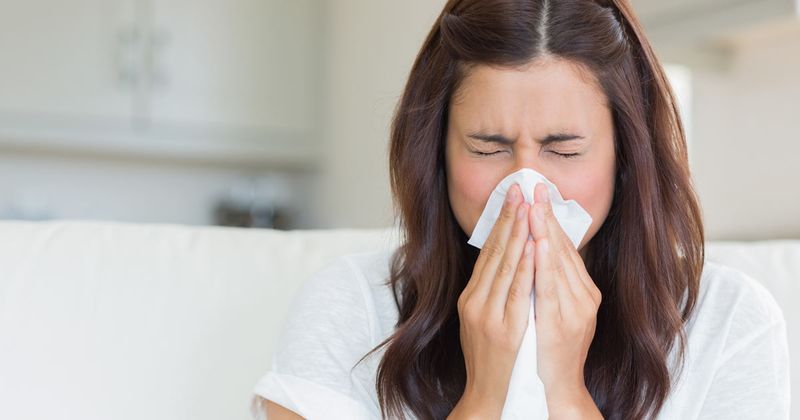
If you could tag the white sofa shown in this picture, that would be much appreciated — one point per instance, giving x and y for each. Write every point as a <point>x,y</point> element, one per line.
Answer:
<point>124,321</point>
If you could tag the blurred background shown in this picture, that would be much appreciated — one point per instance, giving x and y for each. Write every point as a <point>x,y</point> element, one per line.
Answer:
<point>275,113</point>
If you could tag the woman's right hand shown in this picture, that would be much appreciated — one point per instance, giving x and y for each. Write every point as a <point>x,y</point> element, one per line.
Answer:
<point>493,310</point>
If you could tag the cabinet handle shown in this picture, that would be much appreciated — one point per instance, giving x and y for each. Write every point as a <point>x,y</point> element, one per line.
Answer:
<point>128,57</point>
<point>158,41</point>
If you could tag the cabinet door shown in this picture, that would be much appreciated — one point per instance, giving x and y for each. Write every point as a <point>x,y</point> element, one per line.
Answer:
<point>60,61</point>
<point>235,66</point>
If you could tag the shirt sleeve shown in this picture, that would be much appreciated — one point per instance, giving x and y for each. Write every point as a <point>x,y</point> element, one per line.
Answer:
<point>752,377</point>
<point>326,332</point>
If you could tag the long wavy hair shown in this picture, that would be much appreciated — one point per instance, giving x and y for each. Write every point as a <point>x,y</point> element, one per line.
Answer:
<point>646,258</point>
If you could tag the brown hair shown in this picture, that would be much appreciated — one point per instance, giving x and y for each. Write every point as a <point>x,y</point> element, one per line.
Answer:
<point>646,258</point>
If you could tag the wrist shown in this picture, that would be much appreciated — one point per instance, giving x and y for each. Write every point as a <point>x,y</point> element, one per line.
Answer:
<point>571,402</point>
<point>477,405</point>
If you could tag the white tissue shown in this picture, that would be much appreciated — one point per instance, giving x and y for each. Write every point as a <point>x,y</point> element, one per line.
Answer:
<point>570,215</point>
<point>526,397</point>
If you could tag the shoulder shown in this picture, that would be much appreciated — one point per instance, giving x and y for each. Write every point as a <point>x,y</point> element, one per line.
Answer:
<point>347,290</point>
<point>735,320</point>
<point>342,311</point>
<point>737,351</point>
<point>727,293</point>
<point>331,325</point>
<point>355,269</point>
<point>373,270</point>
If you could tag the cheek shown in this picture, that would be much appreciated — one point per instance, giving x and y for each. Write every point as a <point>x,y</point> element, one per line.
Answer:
<point>593,189</point>
<point>469,187</point>
<point>595,197</point>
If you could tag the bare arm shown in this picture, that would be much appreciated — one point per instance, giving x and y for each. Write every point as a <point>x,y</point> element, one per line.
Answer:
<point>278,412</point>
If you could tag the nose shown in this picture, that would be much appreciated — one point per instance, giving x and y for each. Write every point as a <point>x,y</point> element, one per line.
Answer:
<point>528,157</point>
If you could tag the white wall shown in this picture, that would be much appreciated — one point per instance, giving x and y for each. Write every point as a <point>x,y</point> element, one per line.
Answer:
<point>746,141</point>
<point>369,49</point>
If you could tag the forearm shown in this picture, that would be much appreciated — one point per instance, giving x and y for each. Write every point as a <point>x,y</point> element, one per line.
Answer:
<point>477,406</point>
<point>572,404</point>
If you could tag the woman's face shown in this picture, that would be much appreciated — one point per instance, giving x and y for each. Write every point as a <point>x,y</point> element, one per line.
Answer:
<point>529,118</point>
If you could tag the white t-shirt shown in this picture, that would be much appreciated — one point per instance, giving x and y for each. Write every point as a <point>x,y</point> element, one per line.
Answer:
<point>737,360</point>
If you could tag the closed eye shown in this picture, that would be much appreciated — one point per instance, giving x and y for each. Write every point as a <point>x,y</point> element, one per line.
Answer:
<point>561,155</point>
<point>566,155</point>
<point>486,154</point>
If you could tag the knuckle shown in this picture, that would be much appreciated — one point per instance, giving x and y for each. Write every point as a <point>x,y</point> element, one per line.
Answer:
<point>469,314</point>
<point>460,302</point>
<point>494,249</point>
<point>518,233</point>
<point>504,269</point>
<point>562,253</point>
<point>507,213</point>
<point>559,270</point>
<point>515,293</point>
<point>548,210</point>
<point>464,302</point>
<point>598,295</point>
<point>549,291</point>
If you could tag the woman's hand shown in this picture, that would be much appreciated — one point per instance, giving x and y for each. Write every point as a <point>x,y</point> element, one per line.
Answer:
<point>566,307</point>
<point>493,310</point>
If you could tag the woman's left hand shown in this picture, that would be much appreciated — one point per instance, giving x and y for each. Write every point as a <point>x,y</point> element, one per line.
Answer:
<point>566,307</point>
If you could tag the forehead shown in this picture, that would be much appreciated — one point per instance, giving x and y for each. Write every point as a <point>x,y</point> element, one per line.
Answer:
<point>543,93</point>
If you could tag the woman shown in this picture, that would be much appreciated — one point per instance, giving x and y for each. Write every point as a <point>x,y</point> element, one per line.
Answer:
<point>631,324</point>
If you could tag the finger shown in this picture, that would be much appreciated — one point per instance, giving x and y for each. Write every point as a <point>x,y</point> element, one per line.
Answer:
<point>542,200</point>
<point>572,276</point>
<point>495,245</point>
<point>586,279</point>
<point>548,286</point>
<point>518,302</point>
<point>498,295</point>
<point>563,276</point>
<point>580,282</point>
<point>561,247</point>
<point>483,256</point>
<point>537,229</point>
<point>545,289</point>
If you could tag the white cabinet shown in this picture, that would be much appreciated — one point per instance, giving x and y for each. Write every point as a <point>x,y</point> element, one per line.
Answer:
<point>246,63</point>
<point>56,59</point>
<point>216,80</point>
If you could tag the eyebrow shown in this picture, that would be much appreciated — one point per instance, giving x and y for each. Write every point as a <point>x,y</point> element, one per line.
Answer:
<point>501,139</point>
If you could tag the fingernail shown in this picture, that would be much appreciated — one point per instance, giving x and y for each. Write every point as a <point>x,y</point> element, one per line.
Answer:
<point>521,212</point>
<point>539,212</point>
<point>545,245</point>
<point>546,195</point>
